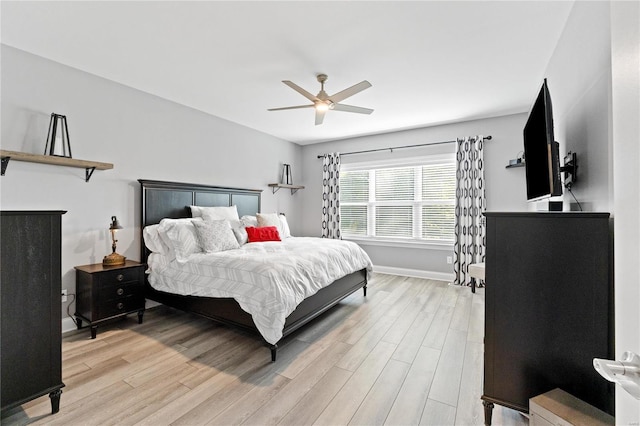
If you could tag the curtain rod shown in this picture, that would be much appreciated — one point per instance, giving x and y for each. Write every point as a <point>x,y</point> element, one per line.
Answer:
<point>488,138</point>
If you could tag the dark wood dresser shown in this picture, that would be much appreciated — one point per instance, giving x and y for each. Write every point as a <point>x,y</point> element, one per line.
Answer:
<point>548,307</point>
<point>107,292</point>
<point>31,323</point>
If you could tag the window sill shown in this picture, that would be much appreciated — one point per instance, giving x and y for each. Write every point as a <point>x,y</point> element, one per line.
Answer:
<point>447,246</point>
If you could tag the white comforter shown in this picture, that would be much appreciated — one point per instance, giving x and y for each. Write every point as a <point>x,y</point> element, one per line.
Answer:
<point>267,279</point>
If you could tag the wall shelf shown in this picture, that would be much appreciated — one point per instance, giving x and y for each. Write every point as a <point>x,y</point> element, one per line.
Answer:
<point>88,166</point>
<point>275,187</point>
<point>511,166</point>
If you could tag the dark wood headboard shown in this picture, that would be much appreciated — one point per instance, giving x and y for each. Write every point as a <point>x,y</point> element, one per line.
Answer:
<point>162,199</point>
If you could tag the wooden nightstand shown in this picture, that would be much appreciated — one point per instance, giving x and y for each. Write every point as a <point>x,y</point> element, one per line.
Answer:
<point>107,292</point>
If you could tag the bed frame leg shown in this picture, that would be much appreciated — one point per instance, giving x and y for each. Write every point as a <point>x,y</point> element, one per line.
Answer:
<point>365,290</point>
<point>274,349</point>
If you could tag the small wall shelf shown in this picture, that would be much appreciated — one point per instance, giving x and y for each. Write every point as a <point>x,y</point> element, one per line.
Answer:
<point>88,166</point>
<point>275,187</point>
<point>511,166</point>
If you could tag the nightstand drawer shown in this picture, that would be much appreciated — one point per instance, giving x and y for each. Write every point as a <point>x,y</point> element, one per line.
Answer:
<point>119,276</point>
<point>112,291</point>
<point>120,306</point>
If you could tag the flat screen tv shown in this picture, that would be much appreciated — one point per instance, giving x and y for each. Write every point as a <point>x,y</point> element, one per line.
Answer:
<point>541,151</point>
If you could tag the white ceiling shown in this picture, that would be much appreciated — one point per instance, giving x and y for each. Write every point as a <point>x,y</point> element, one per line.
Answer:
<point>430,62</point>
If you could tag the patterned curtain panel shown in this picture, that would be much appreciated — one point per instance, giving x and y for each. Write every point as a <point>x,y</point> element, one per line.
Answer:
<point>469,246</point>
<point>331,196</point>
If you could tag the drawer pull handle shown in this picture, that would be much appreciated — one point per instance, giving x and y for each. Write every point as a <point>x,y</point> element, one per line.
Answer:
<point>120,291</point>
<point>120,305</point>
<point>120,277</point>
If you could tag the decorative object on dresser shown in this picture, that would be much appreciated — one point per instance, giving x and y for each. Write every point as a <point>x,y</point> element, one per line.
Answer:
<point>30,328</point>
<point>58,137</point>
<point>114,259</point>
<point>107,292</point>
<point>548,308</point>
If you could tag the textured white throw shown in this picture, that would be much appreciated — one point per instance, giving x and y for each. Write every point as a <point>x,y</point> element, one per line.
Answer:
<point>267,279</point>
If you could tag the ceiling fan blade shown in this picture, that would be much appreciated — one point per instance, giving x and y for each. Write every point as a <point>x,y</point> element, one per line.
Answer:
<point>320,116</point>
<point>356,88</point>
<point>301,90</point>
<point>291,107</point>
<point>350,108</point>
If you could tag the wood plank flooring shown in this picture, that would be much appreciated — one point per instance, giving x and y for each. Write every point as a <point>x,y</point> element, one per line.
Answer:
<point>409,353</point>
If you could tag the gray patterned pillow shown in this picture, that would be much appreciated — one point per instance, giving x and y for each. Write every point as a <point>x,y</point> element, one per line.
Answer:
<point>180,236</point>
<point>215,236</point>
<point>241,235</point>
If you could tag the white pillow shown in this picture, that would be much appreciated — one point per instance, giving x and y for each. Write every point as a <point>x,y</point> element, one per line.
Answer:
<point>215,213</point>
<point>215,236</point>
<point>286,232</point>
<point>180,235</point>
<point>249,221</point>
<point>270,219</point>
<point>153,241</point>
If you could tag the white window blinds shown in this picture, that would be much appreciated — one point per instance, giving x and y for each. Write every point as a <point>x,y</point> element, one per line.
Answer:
<point>413,202</point>
<point>354,196</point>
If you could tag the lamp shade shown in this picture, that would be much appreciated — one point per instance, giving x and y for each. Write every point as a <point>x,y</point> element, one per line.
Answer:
<point>115,224</point>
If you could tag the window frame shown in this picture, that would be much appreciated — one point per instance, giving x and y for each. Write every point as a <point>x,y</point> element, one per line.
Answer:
<point>415,241</point>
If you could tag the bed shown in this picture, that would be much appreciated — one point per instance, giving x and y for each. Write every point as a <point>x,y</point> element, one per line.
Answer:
<point>162,199</point>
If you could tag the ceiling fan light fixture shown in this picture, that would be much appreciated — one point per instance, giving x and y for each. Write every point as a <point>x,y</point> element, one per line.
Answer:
<point>323,106</point>
<point>323,102</point>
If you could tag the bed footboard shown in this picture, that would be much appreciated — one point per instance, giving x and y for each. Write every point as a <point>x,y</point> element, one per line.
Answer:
<point>228,311</point>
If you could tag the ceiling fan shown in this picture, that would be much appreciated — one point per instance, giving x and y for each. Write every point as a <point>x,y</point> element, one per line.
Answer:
<point>323,102</point>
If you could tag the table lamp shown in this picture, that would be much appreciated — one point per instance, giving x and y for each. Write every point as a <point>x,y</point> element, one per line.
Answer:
<point>114,259</point>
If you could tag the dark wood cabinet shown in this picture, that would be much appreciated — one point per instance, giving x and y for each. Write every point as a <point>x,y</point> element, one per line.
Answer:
<point>31,316</point>
<point>548,307</point>
<point>106,292</point>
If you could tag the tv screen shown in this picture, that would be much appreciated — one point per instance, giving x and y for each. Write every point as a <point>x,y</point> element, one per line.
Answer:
<point>541,151</point>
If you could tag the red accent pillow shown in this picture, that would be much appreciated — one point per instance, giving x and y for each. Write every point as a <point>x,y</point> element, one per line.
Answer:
<point>266,233</point>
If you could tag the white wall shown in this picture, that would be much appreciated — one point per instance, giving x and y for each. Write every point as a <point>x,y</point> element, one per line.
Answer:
<point>625,59</point>
<point>506,190</point>
<point>594,79</point>
<point>579,78</point>
<point>145,137</point>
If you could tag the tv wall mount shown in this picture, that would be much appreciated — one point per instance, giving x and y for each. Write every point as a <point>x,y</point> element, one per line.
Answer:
<point>570,169</point>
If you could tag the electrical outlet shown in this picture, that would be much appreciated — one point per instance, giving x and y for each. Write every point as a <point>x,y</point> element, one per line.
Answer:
<point>64,295</point>
<point>449,260</point>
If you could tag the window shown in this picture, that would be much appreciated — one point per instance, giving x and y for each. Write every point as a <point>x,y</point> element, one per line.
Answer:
<point>401,202</point>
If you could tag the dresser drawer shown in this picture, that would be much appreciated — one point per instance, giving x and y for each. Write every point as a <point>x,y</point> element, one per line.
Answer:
<point>116,290</point>
<point>115,307</point>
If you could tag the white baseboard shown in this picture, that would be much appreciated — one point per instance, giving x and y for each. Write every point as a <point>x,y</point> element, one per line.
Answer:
<point>416,273</point>
<point>68,325</point>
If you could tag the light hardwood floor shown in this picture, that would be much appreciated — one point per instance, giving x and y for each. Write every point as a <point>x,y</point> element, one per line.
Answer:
<point>409,353</point>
